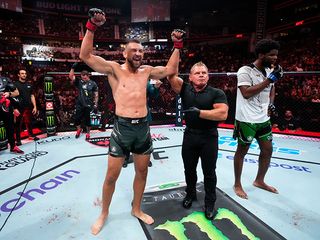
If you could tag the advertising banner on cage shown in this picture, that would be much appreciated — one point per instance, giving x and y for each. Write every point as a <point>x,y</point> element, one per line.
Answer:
<point>50,115</point>
<point>51,123</point>
<point>48,89</point>
<point>3,136</point>
<point>179,111</point>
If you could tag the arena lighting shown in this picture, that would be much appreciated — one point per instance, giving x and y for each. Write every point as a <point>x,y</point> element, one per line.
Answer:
<point>152,40</point>
<point>299,23</point>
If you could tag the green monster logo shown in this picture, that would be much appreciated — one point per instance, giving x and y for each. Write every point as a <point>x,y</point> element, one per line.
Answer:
<point>48,87</point>
<point>168,185</point>
<point>177,229</point>
<point>50,121</point>
<point>3,133</point>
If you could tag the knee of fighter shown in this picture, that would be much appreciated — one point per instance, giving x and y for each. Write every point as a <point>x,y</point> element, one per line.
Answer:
<point>143,173</point>
<point>266,152</point>
<point>110,180</point>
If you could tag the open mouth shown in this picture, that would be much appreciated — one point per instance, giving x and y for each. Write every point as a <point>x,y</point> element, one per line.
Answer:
<point>136,58</point>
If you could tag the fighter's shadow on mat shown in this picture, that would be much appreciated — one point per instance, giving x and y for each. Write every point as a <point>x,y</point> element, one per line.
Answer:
<point>173,222</point>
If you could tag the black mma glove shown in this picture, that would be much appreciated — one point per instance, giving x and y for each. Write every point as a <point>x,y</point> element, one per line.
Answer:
<point>192,111</point>
<point>276,74</point>
<point>272,110</point>
<point>177,36</point>
<point>96,19</point>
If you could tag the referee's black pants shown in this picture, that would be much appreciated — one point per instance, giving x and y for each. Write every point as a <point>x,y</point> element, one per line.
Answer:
<point>203,144</point>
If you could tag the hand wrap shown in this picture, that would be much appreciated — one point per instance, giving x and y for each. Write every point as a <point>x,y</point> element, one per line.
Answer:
<point>95,20</point>
<point>177,36</point>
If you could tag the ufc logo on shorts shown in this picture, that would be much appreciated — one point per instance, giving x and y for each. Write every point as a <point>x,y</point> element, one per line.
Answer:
<point>135,121</point>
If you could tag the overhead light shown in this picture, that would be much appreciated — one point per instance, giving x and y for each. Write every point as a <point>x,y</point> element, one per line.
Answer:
<point>299,23</point>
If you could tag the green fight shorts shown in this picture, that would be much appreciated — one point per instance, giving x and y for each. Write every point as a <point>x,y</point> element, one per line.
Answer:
<point>130,135</point>
<point>246,132</point>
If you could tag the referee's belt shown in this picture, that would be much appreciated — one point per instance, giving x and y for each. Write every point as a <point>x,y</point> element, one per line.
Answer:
<point>201,131</point>
<point>132,120</point>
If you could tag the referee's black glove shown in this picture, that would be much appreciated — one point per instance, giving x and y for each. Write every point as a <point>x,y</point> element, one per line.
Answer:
<point>192,111</point>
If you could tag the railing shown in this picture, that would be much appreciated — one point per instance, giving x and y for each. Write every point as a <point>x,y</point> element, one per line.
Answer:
<point>165,111</point>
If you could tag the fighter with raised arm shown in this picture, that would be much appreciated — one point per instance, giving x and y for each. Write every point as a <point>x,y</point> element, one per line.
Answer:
<point>131,131</point>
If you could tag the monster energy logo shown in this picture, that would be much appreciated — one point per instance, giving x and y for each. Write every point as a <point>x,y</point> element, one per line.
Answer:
<point>3,133</point>
<point>168,185</point>
<point>177,229</point>
<point>48,87</point>
<point>50,121</point>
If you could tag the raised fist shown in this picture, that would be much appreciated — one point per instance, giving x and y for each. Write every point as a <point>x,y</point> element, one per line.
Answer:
<point>177,36</point>
<point>96,19</point>
<point>276,74</point>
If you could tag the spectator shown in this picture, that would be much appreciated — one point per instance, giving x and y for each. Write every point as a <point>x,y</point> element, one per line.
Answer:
<point>7,91</point>
<point>287,122</point>
<point>87,100</point>
<point>27,105</point>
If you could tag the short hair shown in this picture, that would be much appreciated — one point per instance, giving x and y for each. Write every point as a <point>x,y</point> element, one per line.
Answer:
<point>132,41</point>
<point>266,45</point>
<point>198,64</point>
<point>85,72</point>
<point>22,69</point>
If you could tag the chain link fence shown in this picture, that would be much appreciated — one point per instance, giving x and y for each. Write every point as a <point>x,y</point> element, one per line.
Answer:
<point>297,91</point>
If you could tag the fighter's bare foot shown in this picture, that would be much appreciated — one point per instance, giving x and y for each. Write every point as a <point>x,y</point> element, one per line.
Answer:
<point>264,186</point>
<point>240,192</point>
<point>98,225</point>
<point>143,217</point>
